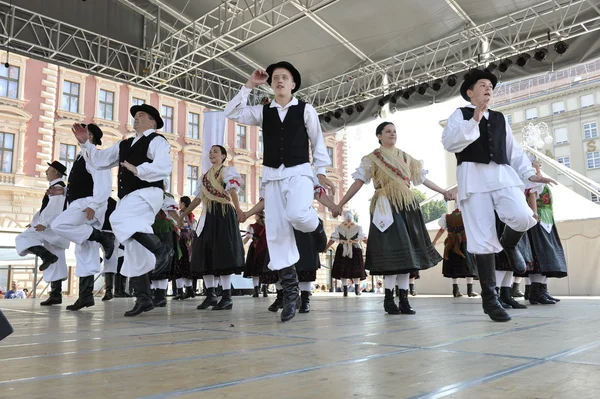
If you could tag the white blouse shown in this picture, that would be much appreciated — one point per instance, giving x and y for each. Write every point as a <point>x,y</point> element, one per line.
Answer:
<point>364,172</point>
<point>230,176</point>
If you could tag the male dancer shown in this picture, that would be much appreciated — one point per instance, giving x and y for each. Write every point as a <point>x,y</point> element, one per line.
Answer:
<point>289,125</point>
<point>39,239</point>
<point>144,162</point>
<point>87,196</point>
<point>490,174</point>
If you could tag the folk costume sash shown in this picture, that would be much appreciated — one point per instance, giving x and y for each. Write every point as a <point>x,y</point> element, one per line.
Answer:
<point>456,234</point>
<point>392,171</point>
<point>213,190</point>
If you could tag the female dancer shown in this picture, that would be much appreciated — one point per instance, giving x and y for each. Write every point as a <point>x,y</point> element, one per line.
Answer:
<point>255,259</point>
<point>182,271</point>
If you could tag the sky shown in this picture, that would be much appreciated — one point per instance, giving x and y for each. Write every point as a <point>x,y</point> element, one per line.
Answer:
<point>419,134</point>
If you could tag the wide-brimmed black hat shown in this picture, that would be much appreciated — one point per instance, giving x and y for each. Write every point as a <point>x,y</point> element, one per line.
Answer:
<point>95,131</point>
<point>62,169</point>
<point>473,77</point>
<point>289,67</point>
<point>150,110</point>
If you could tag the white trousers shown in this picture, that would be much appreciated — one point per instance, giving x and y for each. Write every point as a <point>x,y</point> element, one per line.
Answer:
<point>288,206</point>
<point>30,238</point>
<point>480,222</point>
<point>110,264</point>
<point>73,223</point>
<point>135,213</point>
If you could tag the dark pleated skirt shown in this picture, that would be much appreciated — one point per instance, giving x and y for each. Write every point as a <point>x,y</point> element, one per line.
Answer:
<point>307,265</point>
<point>548,254</point>
<point>344,267</point>
<point>182,266</point>
<point>458,267</point>
<point>404,247</point>
<point>254,263</point>
<point>170,240</point>
<point>523,246</point>
<point>219,249</point>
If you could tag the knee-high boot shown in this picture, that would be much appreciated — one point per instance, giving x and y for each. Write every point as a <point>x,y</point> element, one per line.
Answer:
<point>509,240</point>
<point>289,284</point>
<point>487,278</point>
<point>55,297</point>
<point>109,279</point>
<point>143,301</point>
<point>86,294</point>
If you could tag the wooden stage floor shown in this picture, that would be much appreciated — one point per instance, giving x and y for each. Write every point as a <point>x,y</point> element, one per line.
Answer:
<point>344,348</point>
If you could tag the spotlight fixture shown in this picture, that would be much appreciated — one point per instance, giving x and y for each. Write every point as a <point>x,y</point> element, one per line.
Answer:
<point>561,47</point>
<point>491,67</point>
<point>6,65</point>
<point>406,94</point>
<point>523,60</point>
<point>504,65</point>
<point>350,110</point>
<point>327,117</point>
<point>381,102</point>
<point>395,97</point>
<point>337,113</point>
<point>451,80</point>
<point>540,54</point>
<point>437,84</point>
<point>423,88</point>
<point>359,108</point>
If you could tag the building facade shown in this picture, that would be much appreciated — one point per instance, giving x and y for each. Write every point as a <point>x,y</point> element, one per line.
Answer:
<point>39,102</point>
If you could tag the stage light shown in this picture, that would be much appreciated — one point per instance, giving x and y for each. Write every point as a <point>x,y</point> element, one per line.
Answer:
<point>337,113</point>
<point>406,94</point>
<point>504,65</point>
<point>327,117</point>
<point>437,84</point>
<point>491,67</point>
<point>561,47</point>
<point>451,80</point>
<point>540,54</point>
<point>423,88</point>
<point>359,108</point>
<point>523,60</point>
<point>350,110</point>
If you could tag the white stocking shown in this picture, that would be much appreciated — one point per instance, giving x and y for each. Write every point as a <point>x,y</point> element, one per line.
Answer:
<point>256,281</point>
<point>390,281</point>
<point>469,280</point>
<point>402,281</point>
<point>226,282</point>
<point>305,286</point>
<point>508,279</point>
<point>209,281</point>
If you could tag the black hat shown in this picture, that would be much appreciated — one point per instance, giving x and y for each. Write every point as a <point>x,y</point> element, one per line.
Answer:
<point>473,77</point>
<point>150,110</point>
<point>95,131</point>
<point>289,67</point>
<point>62,169</point>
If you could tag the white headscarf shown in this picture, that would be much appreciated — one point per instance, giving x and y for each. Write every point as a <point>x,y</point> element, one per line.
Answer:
<point>348,216</point>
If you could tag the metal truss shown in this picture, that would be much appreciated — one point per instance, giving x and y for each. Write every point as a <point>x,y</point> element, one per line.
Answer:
<point>522,31</point>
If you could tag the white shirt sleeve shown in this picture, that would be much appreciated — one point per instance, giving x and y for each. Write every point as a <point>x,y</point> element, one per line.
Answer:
<point>364,171</point>
<point>169,204</point>
<point>50,212</point>
<point>161,166</point>
<point>418,180</point>
<point>361,234</point>
<point>459,133</point>
<point>319,152</point>
<point>250,232</point>
<point>232,179</point>
<point>442,222</point>
<point>239,111</point>
<point>335,236</point>
<point>101,159</point>
<point>517,158</point>
<point>102,186</point>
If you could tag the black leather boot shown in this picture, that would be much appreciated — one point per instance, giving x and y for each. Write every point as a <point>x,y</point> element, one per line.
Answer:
<point>357,289</point>
<point>225,303</point>
<point>120,280</point>
<point>536,295</point>
<point>153,244</point>
<point>456,291</point>
<point>345,290</point>
<point>470,291</point>
<point>487,279</point>
<point>210,300</point>
<point>278,303</point>
<point>320,237</point>
<point>106,239</point>
<point>397,292</point>
<point>86,294</point>
<point>256,292</point>
<point>509,240</point>
<point>47,257</point>
<point>527,291</point>
<point>109,280</point>
<point>500,301</point>
<point>289,283</point>
<point>411,288</point>
<point>55,297</point>
<point>404,305</point>
<point>189,293</point>
<point>160,298</point>
<point>265,291</point>
<point>547,295</point>
<point>388,303</point>
<point>305,306</point>
<point>505,294</point>
<point>179,296</point>
<point>143,301</point>
<point>516,292</point>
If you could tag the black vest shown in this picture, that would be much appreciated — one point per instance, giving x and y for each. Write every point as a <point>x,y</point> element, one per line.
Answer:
<point>491,144</point>
<point>80,184</point>
<point>284,142</point>
<point>46,199</point>
<point>135,155</point>
<point>110,208</point>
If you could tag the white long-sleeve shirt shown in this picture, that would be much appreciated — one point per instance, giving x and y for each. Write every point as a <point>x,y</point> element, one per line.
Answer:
<point>475,177</point>
<point>54,208</point>
<point>159,151</point>
<point>239,111</point>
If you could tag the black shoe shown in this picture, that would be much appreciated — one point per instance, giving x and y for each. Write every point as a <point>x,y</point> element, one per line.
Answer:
<point>470,291</point>
<point>404,305</point>
<point>289,283</point>
<point>143,301</point>
<point>508,299</point>
<point>109,279</point>
<point>256,292</point>
<point>86,294</point>
<point>189,293</point>
<point>163,253</point>
<point>487,279</point>
<point>536,295</point>
<point>547,295</point>
<point>305,306</point>
<point>456,291</point>
<point>527,292</point>
<point>48,258</point>
<point>179,296</point>
<point>320,237</point>
<point>278,303</point>
<point>357,289</point>
<point>515,292</point>
<point>209,300</point>
<point>265,291</point>
<point>226,303</point>
<point>160,298</point>
<point>55,297</point>
<point>345,290</point>
<point>500,301</point>
<point>412,290</point>
<point>389,305</point>
<point>107,240</point>
<point>509,240</point>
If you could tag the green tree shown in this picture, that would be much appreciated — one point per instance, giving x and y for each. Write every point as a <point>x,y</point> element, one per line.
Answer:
<point>433,210</point>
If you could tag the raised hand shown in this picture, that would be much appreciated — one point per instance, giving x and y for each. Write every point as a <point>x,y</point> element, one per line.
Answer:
<point>542,179</point>
<point>257,78</point>
<point>80,133</point>
<point>89,213</point>
<point>480,109</point>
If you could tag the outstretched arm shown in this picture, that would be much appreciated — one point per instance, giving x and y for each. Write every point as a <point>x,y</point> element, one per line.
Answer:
<point>260,206</point>
<point>438,235</point>
<point>354,188</point>
<point>448,196</point>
